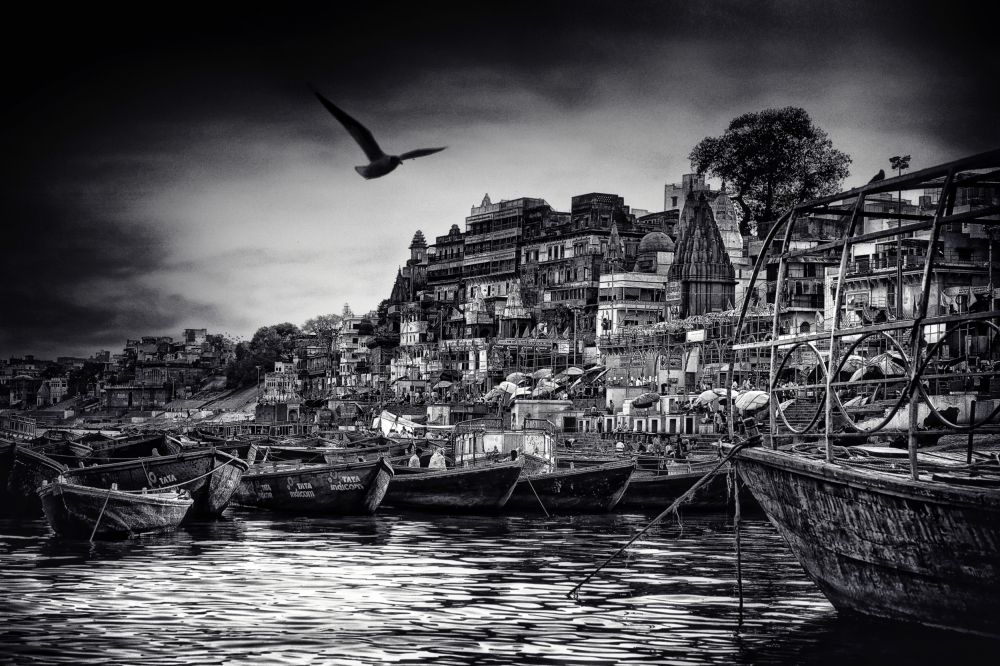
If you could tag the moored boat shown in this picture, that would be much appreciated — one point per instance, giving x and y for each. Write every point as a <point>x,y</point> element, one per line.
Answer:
<point>80,511</point>
<point>29,469</point>
<point>883,544</point>
<point>210,475</point>
<point>658,490</point>
<point>131,448</point>
<point>594,489</point>
<point>350,489</point>
<point>480,488</point>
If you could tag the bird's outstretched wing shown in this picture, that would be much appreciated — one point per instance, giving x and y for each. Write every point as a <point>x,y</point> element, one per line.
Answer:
<point>360,133</point>
<point>413,154</point>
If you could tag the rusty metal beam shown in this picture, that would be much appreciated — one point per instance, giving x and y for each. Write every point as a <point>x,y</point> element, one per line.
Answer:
<point>888,233</point>
<point>915,180</point>
<point>889,326</point>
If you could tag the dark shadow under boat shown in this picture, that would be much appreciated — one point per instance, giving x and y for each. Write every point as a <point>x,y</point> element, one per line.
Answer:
<point>882,544</point>
<point>594,489</point>
<point>75,511</point>
<point>351,489</point>
<point>468,489</point>
<point>210,475</point>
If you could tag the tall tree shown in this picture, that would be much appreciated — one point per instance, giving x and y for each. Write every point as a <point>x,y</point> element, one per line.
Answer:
<point>322,326</point>
<point>771,160</point>
<point>269,344</point>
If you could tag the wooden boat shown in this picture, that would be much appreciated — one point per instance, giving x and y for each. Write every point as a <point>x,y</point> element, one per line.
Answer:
<point>883,544</point>
<point>480,488</point>
<point>588,490</point>
<point>210,475</point>
<point>66,451</point>
<point>29,469</point>
<point>74,511</point>
<point>657,490</point>
<point>7,449</point>
<point>351,489</point>
<point>132,448</point>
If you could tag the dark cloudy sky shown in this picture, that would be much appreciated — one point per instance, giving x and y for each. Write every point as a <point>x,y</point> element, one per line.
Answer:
<point>169,169</point>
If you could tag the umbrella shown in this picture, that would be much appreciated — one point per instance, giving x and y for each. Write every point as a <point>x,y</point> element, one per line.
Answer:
<point>645,400</point>
<point>542,374</point>
<point>707,397</point>
<point>516,377</point>
<point>442,384</point>
<point>574,371</point>
<point>507,387</point>
<point>545,387</point>
<point>858,400</point>
<point>524,390</point>
<point>724,393</point>
<point>494,394</point>
<point>785,403</point>
<point>751,401</point>
<point>888,363</point>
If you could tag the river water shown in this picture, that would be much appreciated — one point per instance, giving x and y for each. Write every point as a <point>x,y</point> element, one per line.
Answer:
<point>411,588</point>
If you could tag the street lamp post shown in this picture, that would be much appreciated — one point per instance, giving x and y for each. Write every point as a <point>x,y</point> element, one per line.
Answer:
<point>258,382</point>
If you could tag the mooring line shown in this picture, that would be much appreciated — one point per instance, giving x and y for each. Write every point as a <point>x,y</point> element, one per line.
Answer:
<point>672,508</point>
<point>528,478</point>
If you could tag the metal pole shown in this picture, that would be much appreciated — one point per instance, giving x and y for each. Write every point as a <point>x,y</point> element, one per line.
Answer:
<point>972,419</point>
<point>945,207</point>
<point>859,207</point>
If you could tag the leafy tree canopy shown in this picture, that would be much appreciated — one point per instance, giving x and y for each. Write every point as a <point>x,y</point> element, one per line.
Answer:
<point>269,344</point>
<point>323,325</point>
<point>770,160</point>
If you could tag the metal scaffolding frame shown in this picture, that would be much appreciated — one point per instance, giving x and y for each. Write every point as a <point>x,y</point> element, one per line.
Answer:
<point>905,338</point>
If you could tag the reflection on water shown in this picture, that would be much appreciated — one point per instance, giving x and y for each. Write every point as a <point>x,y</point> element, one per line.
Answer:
<point>410,588</point>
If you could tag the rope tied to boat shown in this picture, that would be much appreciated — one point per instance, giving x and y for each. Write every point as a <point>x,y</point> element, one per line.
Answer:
<point>574,593</point>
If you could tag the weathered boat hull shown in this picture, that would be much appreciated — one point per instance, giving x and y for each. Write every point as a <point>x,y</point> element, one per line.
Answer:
<point>651,491</point>
<point>884,545</point>
<point>7,450</point>
<point>134,448</point>
<point>352,489</point>
<point>589,490</point>
<point>483,488</point>
<point>73,511</point>
<point>29,469</point>
<point>191,471</point>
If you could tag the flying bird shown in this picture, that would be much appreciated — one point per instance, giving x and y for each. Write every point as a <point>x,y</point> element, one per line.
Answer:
<point>380,163</point>
<point>879,176</point>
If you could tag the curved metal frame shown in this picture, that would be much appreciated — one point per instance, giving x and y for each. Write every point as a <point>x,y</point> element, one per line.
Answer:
<point>821,406</point>
<point>926,398</point>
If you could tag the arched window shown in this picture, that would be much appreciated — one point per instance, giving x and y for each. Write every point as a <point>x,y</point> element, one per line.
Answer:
<point>804,327</point>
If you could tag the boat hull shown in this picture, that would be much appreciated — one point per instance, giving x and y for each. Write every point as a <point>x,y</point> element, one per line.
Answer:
<point>191,471</point>
<point>883,545</point>
<point>353,489</point>
<point>73,511</point>
<point>29,470</point>
<point>457,489</point>
<point>651,491</point>
<point>588,490</point>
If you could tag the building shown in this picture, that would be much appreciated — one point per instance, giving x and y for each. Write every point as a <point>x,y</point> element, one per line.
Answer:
<point>702,277</point>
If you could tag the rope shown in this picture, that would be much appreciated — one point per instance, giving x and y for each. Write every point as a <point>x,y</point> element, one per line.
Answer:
<point>182,483</point>
<point>670,509</point>
<point>101,515</point>
<point>537,497</point>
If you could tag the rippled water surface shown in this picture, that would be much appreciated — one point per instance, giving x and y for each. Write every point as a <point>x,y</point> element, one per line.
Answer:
<point>412,588</point>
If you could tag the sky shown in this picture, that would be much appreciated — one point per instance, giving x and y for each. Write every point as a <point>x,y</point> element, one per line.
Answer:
<point>170,169</point>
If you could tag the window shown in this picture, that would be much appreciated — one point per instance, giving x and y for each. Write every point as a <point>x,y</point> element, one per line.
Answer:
<point>673,202</point>
<point>804,327</point>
